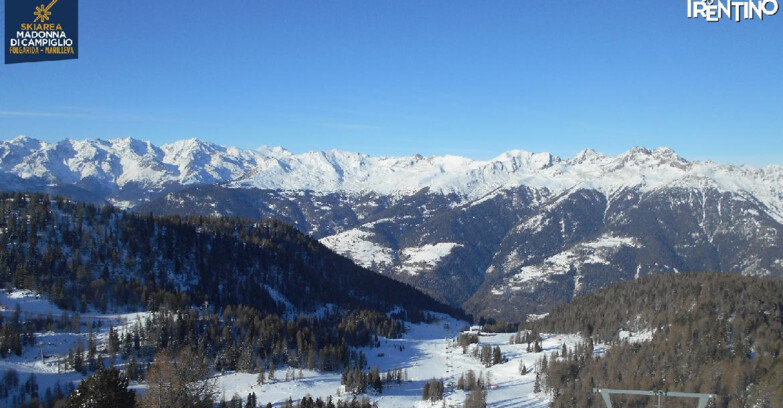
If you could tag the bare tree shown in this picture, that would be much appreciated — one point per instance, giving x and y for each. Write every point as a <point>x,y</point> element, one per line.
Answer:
<point>178,380</point>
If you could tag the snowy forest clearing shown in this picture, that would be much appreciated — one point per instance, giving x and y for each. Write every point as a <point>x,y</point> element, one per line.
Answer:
<point>45,359</point>
<point>425,352</point>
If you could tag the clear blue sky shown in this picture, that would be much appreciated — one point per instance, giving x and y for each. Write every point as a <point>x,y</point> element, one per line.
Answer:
<point>393,77</point>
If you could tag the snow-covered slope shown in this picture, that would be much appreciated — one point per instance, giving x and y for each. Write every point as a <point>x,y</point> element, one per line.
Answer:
<point>504,237</point>
<point>116,163</point>
<point>427,350</point>
<point>472,179</point>
<point>119,163</point>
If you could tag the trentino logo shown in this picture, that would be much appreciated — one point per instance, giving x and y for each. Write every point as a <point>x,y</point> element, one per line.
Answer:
<point>715,10</point>
<point>41,32</point>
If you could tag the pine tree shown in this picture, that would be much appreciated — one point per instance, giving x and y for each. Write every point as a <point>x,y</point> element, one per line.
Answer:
<point>537,384</point>
<point>107,388</point>
<point>78,357</point>
<point>477,398</point>
<point>497,356</point>
<point>92,351</point>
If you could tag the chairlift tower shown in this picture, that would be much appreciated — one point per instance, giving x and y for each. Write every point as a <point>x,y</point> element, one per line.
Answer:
<point>606,392</point>
<point>449,366</point>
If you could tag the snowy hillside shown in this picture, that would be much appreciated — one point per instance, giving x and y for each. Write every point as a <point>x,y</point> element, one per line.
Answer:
<point>44,363</point>
<point>116,163</point>
<point>504,237</point>
<point>119,163</point>
<point>352,172</point>
<point>426,351</point>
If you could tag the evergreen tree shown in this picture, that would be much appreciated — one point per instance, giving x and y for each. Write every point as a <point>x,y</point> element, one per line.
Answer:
<point>537,384</point>
<point>497,357</point>
<point>107,388</point>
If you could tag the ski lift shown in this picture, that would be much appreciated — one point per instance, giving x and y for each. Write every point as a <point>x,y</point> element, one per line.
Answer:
<point>606,392</point>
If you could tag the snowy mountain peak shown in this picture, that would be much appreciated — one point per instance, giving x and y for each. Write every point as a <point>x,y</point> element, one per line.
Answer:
<point>522,159</point>
<point>23,140</point>
<point>643,158</point>
<point>588,155</point>
<point>118,163</point>
<point>273,151</point>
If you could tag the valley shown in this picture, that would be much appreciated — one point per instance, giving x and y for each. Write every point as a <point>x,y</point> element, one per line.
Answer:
<point>500,238</point>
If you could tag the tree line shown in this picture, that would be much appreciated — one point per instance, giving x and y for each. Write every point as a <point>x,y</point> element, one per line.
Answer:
<point>240,295</point>
<point>711,333</point>
<point>81,255</point>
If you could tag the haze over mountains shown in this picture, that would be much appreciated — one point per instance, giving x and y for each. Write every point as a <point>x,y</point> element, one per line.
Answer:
<point>502,238</point>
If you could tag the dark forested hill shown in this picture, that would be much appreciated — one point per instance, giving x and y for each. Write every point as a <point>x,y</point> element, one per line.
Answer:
<point>82,254</point>
<point>226,294</point>
<point>712,333</point>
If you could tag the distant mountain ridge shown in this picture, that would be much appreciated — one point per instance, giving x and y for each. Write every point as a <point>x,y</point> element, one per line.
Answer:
<point>120,163</point>
<point>503,237</point>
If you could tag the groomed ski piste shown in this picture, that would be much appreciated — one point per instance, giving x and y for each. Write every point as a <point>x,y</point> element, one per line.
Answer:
<point>426,351</point>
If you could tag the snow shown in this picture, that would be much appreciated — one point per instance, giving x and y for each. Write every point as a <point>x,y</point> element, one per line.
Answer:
<point>279,297</point>
<point>636,337</point>
<point>426,257</point>
<point>356,244</point>
<point>489,196</point>
<point>596,252</point>
<point>119,162</point>
<point>534,224</point>
<point>533,317</point>
<point>55,345</point>
<point>28,301</point>
<point>608,241</point>
<point>426,351</point>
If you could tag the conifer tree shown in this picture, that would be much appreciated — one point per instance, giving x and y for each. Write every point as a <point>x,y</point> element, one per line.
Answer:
<point>107,388</point>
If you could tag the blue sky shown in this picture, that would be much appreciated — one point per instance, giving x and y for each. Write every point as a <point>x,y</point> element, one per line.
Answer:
<point>472,78</point>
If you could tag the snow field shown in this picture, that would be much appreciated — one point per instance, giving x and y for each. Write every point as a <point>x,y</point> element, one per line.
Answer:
<point>54,346</point>
<point>426,351</point>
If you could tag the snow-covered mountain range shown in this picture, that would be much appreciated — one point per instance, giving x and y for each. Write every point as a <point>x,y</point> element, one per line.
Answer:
<point>116,164</point>
<point>502,237</point>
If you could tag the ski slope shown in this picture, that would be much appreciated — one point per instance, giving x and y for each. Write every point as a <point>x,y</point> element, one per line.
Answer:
<point>426,351</point>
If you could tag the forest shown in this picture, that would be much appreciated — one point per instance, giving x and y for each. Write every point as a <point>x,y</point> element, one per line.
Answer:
<point>711,333</point>
<point>82,255</point>
<point>241,295</point>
